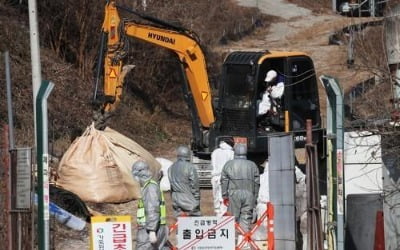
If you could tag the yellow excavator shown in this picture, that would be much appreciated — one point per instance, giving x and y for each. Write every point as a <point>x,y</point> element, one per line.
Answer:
<point>233,112</point>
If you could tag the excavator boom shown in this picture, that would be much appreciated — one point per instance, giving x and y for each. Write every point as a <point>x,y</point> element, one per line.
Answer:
<point>183,44</point>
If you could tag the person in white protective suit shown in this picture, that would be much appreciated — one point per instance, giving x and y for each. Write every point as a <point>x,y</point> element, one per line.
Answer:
<point>273,92</point>
<point>301,207</point>
<point>240,183</point>
<point>219,157</point>
<point>185,191</point>
<point>152,232</point>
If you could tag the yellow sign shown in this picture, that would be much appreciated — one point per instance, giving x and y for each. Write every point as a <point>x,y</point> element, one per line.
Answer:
<point>113,74</point>
<point>204,95</point>
<point>111,232</point>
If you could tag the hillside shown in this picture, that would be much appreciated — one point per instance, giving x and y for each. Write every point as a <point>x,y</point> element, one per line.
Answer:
<point>153,111</point>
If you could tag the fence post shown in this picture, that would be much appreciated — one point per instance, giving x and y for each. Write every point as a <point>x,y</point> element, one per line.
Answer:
<point>42,165</point>
<point>270,226</point>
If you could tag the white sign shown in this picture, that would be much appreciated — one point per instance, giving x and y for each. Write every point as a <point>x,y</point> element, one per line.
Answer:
<point>111,233</point>
<point>340,184</point>
<point>363,166</point>
<point>206,232</point>
<point>46,188</point>
<point>24,177</point>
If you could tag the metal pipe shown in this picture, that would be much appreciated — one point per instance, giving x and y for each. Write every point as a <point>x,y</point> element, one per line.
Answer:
<point>310,226</point>
<point>9,102</point>
<point>42,163</point>
<point>286,121</point>
<point>32,212</point>
<point>9,144</point>
<point>336,130</point>
<point>11,137</point>
<point>19,222</point>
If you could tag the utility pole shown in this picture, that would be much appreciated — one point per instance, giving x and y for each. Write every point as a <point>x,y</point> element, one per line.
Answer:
<point>35,52</point>
<point>334,8</point>
<point>392,31</point>
<point>391,159</point>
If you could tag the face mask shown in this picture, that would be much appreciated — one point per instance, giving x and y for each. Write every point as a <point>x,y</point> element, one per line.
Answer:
<point>136,178</point>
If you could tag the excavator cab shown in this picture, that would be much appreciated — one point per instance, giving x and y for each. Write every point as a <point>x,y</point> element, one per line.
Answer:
<point>241,89</point>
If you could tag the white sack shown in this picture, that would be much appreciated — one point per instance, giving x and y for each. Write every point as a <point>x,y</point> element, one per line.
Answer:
<point>165,164</point>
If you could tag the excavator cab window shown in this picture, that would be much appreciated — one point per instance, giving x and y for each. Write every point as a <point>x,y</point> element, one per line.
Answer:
<point>303,93</point>
<point>277,64</point>
<point>242,86</point>
<point>239,92</point>
<point>237,96</point>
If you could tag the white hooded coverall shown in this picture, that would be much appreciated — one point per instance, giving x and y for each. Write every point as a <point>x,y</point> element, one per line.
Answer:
<point>274,92</point>
<point>219,157</point>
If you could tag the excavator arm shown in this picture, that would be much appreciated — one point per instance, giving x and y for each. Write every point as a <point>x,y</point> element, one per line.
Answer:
<point>180,41</point>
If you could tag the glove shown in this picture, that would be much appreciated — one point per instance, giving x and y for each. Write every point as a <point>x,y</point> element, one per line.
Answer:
<point>254,219</point>
<point>226,202</point>
<point>152,237</point>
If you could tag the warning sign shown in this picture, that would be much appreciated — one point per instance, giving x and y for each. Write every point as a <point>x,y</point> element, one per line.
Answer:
<point>111,232</point>
<point>206,232</point>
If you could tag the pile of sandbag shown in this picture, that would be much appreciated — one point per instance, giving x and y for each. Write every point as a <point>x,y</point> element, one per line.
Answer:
<point>97,166</point>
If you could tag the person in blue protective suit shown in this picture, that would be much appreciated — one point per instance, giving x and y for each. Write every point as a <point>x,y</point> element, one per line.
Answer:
<point>152,230</point>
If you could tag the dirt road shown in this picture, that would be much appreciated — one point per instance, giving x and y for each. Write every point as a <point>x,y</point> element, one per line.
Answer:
<point>279,8</point>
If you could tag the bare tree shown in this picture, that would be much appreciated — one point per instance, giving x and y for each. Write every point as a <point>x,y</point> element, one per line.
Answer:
<point>376,109</point>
